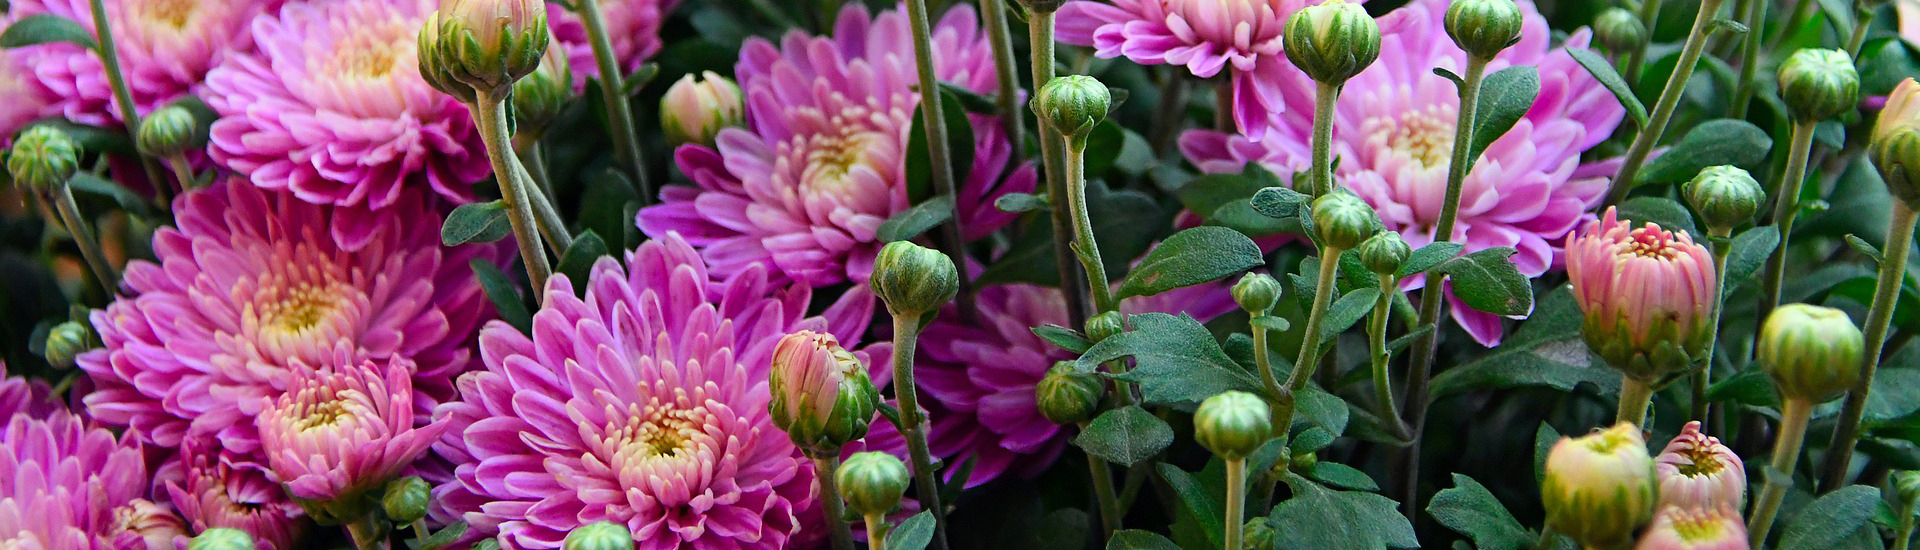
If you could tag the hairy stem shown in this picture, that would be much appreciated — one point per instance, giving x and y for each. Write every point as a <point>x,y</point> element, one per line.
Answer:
<point>1084,244</point>
<point>906,335</point>
<point>1669,99</point>
<point>1325,97</point>
<point>835,510</point>
<point>933,118</point>
<point>1052,158</point>
<point>1389,410</point>
<point>490,114</point>
<point>1111,512</point>
<point>366,533</point>
<point>1749,57</point>
<point>1893,271</point>
<point>993,15</point>
<point>613,87</point>
<point>1263,359</point>
<point>1635,398</point>
<point>552,228</point>
<point>1786,206</point>
<point>1786,454</point>
<point>1236,502</point>
<point>1862,18</point>
<point>1309,358</point>
<point>83,237</point>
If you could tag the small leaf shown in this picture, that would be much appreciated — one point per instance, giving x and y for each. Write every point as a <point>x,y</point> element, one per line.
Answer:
<point>503,293</point>
<point>912,534</point>
<point>639,78</point>
<point>1712,143</point>
<point>1176,360</point>
<point>1447,74</point>
<point>90,184</point>
<point>1310,440</point>
<point>1198,500</point>
<point>1319,408</point>
<point>1505,97</point>
<point>1544,438</point>
<point>1602,70</point>
<point>443,538</point>
<point>1823,524</point>
<point>1191,257</point>
<point>1280,202</point>
<point>1469,509</point>
<point>913,221</point>
<point>578,261</point>
<point>1750,251</point>
<point>1343,476</point>
<point>1125,436</point>
<point>477,222</point>
<point>1021,202</point>
<point>1488,281</point>
<point>1135,539</point>
<point>1319,518</point>
<point>1428,256</point>
<point>44,28</point>
<point>1865,248</point>
<point>1346,311</point>
<point>1068,339</point>
<point>1271,323</point>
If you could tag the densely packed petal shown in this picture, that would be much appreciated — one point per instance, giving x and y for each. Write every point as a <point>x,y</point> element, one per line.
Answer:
<point>633,30</point>
<point>1696,471</point>
<point>214,488</point>
<point>65,484</point>
<point>342,431</point>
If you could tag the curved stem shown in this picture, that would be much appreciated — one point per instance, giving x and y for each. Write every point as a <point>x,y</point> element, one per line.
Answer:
<point>1786,454</point>
<point>1903,535</point>
<point>1309,357</point>
<point>906,335</point>
<point>1236,502</point>
<point>1721,247</point>
<point>490,114</point>
<point>366,534</point>
<point>83,238</point>
<point>1749,57</point>
<point>1786,206</point>
<point>1893,273</point>
<point>182,172</point>
<point>1084,243</point>
<point>552,228</point>
<point>117,81</point>
<point>1264,361</point>
<point>1325,97</point>
<point>1669,99</point>
<point>613,91</point>
<point>1111,512</point>
<point>1649,18</point>
<point>1377,342</point>
<point>1040,33</point>
<point>835,510</point>
<point>1635,397</point>
<point>993,15</point>
<point>1862,18</point>
<point>876,532</point>
<point>934,119</point>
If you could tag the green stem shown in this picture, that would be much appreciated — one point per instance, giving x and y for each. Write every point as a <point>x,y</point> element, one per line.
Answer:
<point>1649,18</point>
<point>1084,244</point>
<point>526,146</point>
<point>1236,502</point>
<point>1263,359</point>
<point>552,228</point>
<point>993,15</point>
<point>1786,454</point>
<point>1325,97</point>
<point>490,114</point>
<point>1053,159</point>
<point>1111,513</point>
<point>1786,206</point>
<point>835,510</point>
<point>774,15</point>
<point>1463,137</point>
<point>1903,536</point>
<point>83,237</point>
<point>1309,357</point>
<point>182,172</point>
<point>1721,248</point>
<point>1635,397</point>
<point>365,533</point>
<point>613,92</point>
<point>876,532</point>
<point>1377,340</point>
<point>1669,99</point>
<point>420,531</point>
<point>117,80</point>
<point>1893,272</point>
<point>1862,18</point>
<point>906,335</point>
<point>1749,57</point>
<point>1547,539</point>
<point>934,119</point>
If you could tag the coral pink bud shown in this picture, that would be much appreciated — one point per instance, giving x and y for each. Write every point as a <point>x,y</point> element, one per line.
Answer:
<point>1677,528</point>
<point>1697,472</point>
<point>694,111</point>
<point>821,394</point>
<point>1648,295</point>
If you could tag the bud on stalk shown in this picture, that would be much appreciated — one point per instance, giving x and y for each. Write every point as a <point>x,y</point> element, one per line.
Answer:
<point>694,111</point>
<point>483,44</point>
<point>872,482</point>
<point>1343,220</point>
<point>167,131</point>
<point>540,97</point>
<point>222,538</point>
<point>914,280</point>
<point>822,396</point>
<point>1257,293</point>
<point>1620,31</point>
<point>1333,41</point>
<point>65,342</point>
<point>1484,27</point>
<point>1725,196</point>
<point>1232,424</point>
<point>1810,352</point>
<point>43,157</point>
<point>406,499</point>
<point>1073,105</point>
<point>599,535</point>
<point>1819,84</point>
<point>1894,146</point>
<point>1384,253</point>
<point>1599,488</point>
<point>1066,396</point>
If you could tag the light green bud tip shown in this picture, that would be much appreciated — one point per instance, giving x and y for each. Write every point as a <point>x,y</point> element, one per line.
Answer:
<point>1343,220</point>
<point>1819,84</point>
<point>406,499</point>
<point>1073,104</point>
<point>1598,489</point>
<point>1810,352</point>
<point>1257,293</point>
<point>168,131</point>
<point>1725,196</point>
<point>67,341</point>
<point>1332,41</point>
<point>914,280</point>
<point>872,482</point>
<point>43,157</point>
<point>604,535</point>
<point>1106,325</point>
<point>540,97</point>
<point>1232,424</point>
<point>1484,27</point>
<point>1619,30</point>
<point>483,44</point>
<point>1066,396</point>
<point>1384,252</point>
<point>1906,487</point>
<point>222,538</point>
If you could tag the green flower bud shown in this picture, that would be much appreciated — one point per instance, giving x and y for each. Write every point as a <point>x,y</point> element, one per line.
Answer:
<point>1258,535</point>
<point>1232,424</point>
<point>1906,487</point>
<point>483,44</point>
<point>694,111</point>
<point>543,93</point>
<point>1303,463</point>
<point>489,543</point>
<point>914,280</point>
<point>1619,30</point>
<point>872,482</point>
<point>1384,252</point>
<point>1819,84</point>
<point>822,397</point>
<point>222,538</point>
<point>601,535</point>
<point>67,341</point>
<point>167,131</point>
<point>43,157</point>
<point>406,499</point>
<point>1343,220</point>
<point>1810,352</point>
<point>1894,146</point>
<point>1599,488</point>
<point>1106,325</point>
<point>1332,41</point>
<point>1725,196</point>
<point>1257,293</point>
<point>1065,396</point>
<point>1073,104</point>
<point>1484,27</point>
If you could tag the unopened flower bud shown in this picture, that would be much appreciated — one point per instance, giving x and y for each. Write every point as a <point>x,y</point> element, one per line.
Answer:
<point>599,535</point>
<point>822,397</point>
<point>1643,334</point>
<point>65,342</point>
<point>1906,487</point>
<point>1810,352</point>
<point>1343,219</point>
<point>1599,488</point>
<point>167,131</point>
<point>1484,27</point>
<point>540,97</point>
<point>1725,196</point>
<point>1697,471</point>
<point>406,499</point>
<point>1710,528</point>
<point>1066,396</point>
<point>1232,424</point>
<point>142,524</point>
<point>1073,104</point>
<point>489,543</point>
<point>1303,462</point>
<point>1258,535</point>
<point>1106,325</point>
<point>1333,41</point>
<point>1894,146</point>
<point>485,44</point>
<point>694,111</point>
<point>1384,252</point>
<point>1818,84</point>
<point>1619,30</point>
<point>914,280</point>
<point>222,538</point>
<point>872,482</point>
<point>1257,293</point>
<point>43,157</point>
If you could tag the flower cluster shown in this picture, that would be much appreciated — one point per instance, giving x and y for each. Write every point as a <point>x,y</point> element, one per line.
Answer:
<point>66,483</point>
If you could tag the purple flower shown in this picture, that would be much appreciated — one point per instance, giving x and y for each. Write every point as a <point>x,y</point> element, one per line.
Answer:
<point>249,288</point>
<point>27,98</point>
<point>333,108</point>
<point>1393,132</point>
<point>25,396</point>
<point>822,162</point>
<point>643,403</point>
<point>63,483</point>
<point>214,488</point>
<point>337,433</point>
<point>633,29</point>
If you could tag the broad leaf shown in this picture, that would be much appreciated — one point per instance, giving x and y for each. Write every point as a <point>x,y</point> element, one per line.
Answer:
<point>1199,501</point>
<point>1176,360</point>
<point>503,293</point>
<point>1280,202</point>
<point>1125,436</point>
<point>1548,350</point>
<point>578,261</point>
<point>44,28</point>
<point>913,221</point>
<point>1428,256</point>
<point>1469,509</point>
<point>477,222</point>
<point>1021,202</point>
<point>1712,143</point>
<point>1346,311</point>
<point>1750,251</point>
<point>912,534</point>
<point>1667,213</point>
<point>1343,476</point>
<point>1825,523</point>
<point>1319,518</point>
<point>1191,257</point>
<point>1135,539</point>
<point>1505,97</point>
<point>1068,339</point>
<point>1488,281</point>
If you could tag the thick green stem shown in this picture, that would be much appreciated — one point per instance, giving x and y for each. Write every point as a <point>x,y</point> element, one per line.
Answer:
<point>1701,379</point>
<point>613,85</point>
<point>1052,158</point>
<point>490,114</point>
<point>934,119</point>
<point>1263,360</point>
<point>1084,244</point>
<point>1649,136</point>
<point>83,238</point>
<point>1649,19</point>
<point>1111,512</point>
<point>1325,97</point>
<point>1236,502</point>
<point>1786,454</point>
<point>1309,358</point>
<point>1749,57</point>
<point>993,15</point>
<point>1786,206</point>
<point>876,532</point>
<point>1463,137</point>
<point>835,510</point>
<point>1389,410</point>
<point>366,533</point>
<point>527,147</point>
<point>1903,536</point>
<point>906,335</point>
<point>182,172</point>
<point>1635,397</point>
<point>1893,272</point>
<point>1862,18</point>
<point>552,228</point>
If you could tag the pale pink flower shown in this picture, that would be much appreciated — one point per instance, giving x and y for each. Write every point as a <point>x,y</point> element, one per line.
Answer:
<point>344,430</point>
<point>1697,472</point>
<point>1675,528</point>
<point>215,488</point>
<point>1641,290</point>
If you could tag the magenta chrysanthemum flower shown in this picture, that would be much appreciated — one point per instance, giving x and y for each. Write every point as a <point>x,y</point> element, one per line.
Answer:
<point>980,376</point>
<point>1393,134</point>
<point>823,161</point>
<point>645,404</point>
<point>633,29</point>
<point>333,108</point>
<point>144,525</point>
<point>249,288</point>
<point>24,396</point>
<point>213,488</point>
<point>341,431</point>
<point>63,484</point>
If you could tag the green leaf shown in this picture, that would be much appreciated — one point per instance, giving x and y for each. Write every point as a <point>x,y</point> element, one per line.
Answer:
<point>639,78</point>
<point>912,534</point>
<point>1505,97</point>
<point>959,141</point>
<point>1825,523</point>
<point>1712,143</point>
<point>46,29</point>
<point>578,261</point>
<point>1319,408</point>
<point>1602,70</point>
<point>477,222</point>
<point>1665,212</point>
<point>1176,360</point>
<point>1310,440</point>
<point>1319,518</point>
<point>1135,539</point>
<point>1226,199</point>
<point>1428,256</point>
<point>443,538</point>
<point>1343,476</point>
<point>1469,509</point>
<point>1068,339</point>
<point>1544,439</point>
<point>1346,311</point>
<point>1488,281</point>
<point>1198,500</point>
<point>1021,202</point>
<point>1750,251</point>
<point>1865,248</point>
<point>1191,257</point>
<point>913,221</point>
<point>1895,393</point>
<point>1125,222</point>
<point>503,293</point>
<point>1125,436</point>
<point>90,184</point>
<point>1280,202</point>
<point>1747,387</point>
<point>1548,351</point>
<point>972,102</point>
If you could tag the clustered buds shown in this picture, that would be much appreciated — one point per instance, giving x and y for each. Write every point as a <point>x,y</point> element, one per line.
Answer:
<point>540,97</point>
<point>1714,528</point>
<point>599,535</point>
<point>1648,295</point>
<point>65,342</point>
<point>1333,41</point>
<point>484,45</point>
<point>1484,27</point>
<point>1725,196</point>
<point>406,499</point>
<point>43,157</point>
<point>1894,146</point>
<point>822,396</point>
<point>1067,396</point>
<point>1073,105</point>
<point>1257,293</point>
<point>1696,471</point>
<point>914,280</point>
<point>1819,84</point>
<point>222,538</point>
<point>1599,488</point>
<point>1343,220</point>
<point>1232,424</point>
<point>167,131</point>
<point>1619,30</point>
<point>1810,352</point>
<point>694,111</point>
<point>1384,253</point>
<point>872,482</point>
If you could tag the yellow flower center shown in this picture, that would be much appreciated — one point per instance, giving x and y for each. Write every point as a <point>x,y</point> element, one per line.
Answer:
<point>300,308</point>
<point>319,415</point>
<point>175,14</point>
<point>1652,242</point>
<point>1702,462</point>
<point>1699,527</point>
<point>1425,135</point>
<point>656,431</point>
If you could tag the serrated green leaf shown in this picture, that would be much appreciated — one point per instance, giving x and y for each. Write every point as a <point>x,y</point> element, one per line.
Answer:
<point>1176,360</point>
<point>477,222</point>
<point>1505,97</point>
<point>1318,518</point>
<point>913,221</point>
<point>1125,436</point>
<point>1191,257</point>
<point>1469,509</point>
<point>1428,256</point>
<point>44,28</point>
<point>1602,70</point>
<point>1488,281</point>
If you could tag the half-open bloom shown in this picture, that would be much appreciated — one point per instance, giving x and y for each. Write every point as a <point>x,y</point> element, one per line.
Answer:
<point>1648,295</point>
<point>1676,528</point>
<point>339,432</point>
<point>1697,472</point>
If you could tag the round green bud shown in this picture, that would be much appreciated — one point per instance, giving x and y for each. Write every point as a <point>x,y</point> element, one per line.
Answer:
<point>1258,535</point>
<point>1073,104</point>
<point>1233,424</point>
<point>1484,27</point>
<point>872,482</point>
<point>1303,463</point>
<point>1599,488</point>
<point>67,341</point>
<point>484,44</point>
<point>1906,487</point>
<point>1333,41</point>
<point>167,131</point>
<point>222,538</point>
<point>914,280</point>
<point>1619,30</point>
<point>1725,196</point>
<point>43,157</point>
<point>1384,252</point>
<point>1106,325</point>
<point>1818,84</point>
<point>540,97</point>
<point>1066,396</point>
<point>406,499</point>
<point>1810,352</point>
<point>1343,220</point>
<point>600,535</point>
<point>1257,293</point>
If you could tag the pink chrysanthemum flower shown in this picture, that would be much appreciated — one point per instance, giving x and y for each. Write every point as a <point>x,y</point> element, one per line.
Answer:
<point>1696,471</point>
<point>1393,134</point>
<point>333,108</point>
<point>979,377</point>
<point>24,396</point>
<point>645,404</point>
<point>63,483</point>
<point>141,524</point>
<point>633,29</point>
<point>823,160</point>
<point>27,98</point>
<point>1675,528</point>
<point>213,488</point>
<point>249,287</point>
<point>342,431</point>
